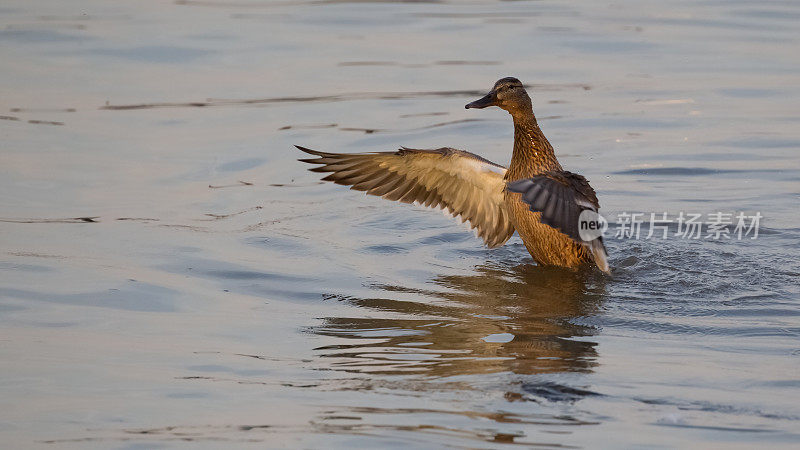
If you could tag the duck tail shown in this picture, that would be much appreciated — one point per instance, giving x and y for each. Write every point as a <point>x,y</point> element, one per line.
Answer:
<point>600,254</point>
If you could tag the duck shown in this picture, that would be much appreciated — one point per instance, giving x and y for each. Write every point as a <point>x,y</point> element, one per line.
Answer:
<point>534,196</point>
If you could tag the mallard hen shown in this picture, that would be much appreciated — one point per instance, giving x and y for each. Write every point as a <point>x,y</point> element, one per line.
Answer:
<point>534,196</point>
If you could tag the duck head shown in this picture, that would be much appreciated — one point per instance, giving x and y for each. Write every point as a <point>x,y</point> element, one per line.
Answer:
<point>507,93</point>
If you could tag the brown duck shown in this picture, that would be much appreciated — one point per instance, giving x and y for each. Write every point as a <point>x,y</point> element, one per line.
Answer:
<point>534,197</point>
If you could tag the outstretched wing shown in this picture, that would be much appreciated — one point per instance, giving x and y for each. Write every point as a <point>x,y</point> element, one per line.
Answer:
<point>462,183</point>
<point>561,196</point>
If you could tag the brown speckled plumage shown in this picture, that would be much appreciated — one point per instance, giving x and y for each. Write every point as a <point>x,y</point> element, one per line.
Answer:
<point>533,155</point>
<point>543,208</point>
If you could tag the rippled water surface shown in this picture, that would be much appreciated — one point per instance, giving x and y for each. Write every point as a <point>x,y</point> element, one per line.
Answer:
<point>171,276</point>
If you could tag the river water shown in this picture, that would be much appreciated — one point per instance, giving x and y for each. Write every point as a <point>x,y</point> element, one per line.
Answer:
<point>171,276</point>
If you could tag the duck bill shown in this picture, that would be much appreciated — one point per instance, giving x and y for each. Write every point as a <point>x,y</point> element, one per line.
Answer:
<point>489,100</point>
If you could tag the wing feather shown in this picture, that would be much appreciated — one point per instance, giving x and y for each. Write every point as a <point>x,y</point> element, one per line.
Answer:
<point>465,185</point>
<point>560,197</point>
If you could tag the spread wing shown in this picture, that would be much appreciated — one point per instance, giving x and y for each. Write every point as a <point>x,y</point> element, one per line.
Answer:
<point>462,183</point>
<point>561,196</point>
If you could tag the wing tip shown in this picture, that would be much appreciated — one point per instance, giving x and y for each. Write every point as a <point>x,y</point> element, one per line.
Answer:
<point>600,255</point>
<point>309,151</point>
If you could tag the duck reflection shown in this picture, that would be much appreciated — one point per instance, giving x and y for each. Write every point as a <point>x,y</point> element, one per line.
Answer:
<point>520,319</point>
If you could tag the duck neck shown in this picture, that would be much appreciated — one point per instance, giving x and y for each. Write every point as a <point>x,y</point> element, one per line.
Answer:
<point>533,154</point>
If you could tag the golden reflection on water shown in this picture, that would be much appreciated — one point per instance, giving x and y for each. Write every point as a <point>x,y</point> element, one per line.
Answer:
<point>517,319</point>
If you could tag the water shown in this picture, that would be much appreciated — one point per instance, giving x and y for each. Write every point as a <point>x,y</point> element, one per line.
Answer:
<point>170,273</point>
